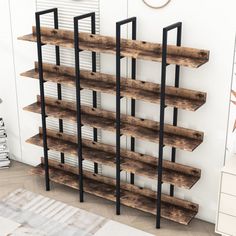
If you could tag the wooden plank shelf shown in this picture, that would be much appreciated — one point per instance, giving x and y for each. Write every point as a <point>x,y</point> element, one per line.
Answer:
<point>150,92</point>
<point>172,208</point>
<point>182,138</point>
<point>182,56</point>
<point>137,163</point>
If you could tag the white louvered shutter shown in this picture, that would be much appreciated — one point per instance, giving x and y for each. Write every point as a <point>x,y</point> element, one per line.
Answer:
<point>67,10</point>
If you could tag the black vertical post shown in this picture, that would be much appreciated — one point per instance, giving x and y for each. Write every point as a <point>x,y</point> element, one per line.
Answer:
<point>175,113</point>
<point>78,95</point>
<point>162,119</point>
<point>41,85</point>
<point>78,106</point>
<point>133,76</point>
<point>94,69</point>
<point>118,97</point>
<point>118,75</point>
<point>59,91</point>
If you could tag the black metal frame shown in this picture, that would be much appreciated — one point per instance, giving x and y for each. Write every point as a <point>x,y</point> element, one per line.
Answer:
<point>132,20</point>
<point>133,77</point>
<point>78,95</point>
<point>59,90</point>
<point>162,113</point>
<point>175,111</point>
<point>41,84</point>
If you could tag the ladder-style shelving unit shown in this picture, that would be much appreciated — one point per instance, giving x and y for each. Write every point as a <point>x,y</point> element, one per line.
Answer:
<point>164,171</point>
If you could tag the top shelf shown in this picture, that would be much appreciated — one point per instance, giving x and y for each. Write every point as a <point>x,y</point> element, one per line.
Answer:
<point>183,56</point>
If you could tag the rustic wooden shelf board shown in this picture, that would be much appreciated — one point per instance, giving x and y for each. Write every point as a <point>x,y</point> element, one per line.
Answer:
<point>150,92</point>
<point>185,139</point>
<point>182,56</point>
<point>173,208</point>
<point>139,164</point>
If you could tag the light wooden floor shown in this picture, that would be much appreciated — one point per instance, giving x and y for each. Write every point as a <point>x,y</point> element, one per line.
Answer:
<point>18,177</point>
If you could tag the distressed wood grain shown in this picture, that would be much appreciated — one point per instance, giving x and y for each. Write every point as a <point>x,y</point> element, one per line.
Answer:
<point>143,165</point>
<point>182,138</point>
<point>183,56</point>
<point>124,185</point>
<point>136,89</point>
<point>172,208</point>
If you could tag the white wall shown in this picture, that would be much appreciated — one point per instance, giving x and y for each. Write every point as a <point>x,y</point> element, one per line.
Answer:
<point>231,137</point>
<point>22,18</point>
<point>206,24</point>
<point>8,109</point>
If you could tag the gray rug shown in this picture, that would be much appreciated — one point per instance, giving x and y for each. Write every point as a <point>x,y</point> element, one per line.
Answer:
<point>25,213</point>
<point>39,215</point>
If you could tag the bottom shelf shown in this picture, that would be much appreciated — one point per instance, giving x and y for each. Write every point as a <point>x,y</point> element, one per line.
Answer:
<point>173,209</point>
